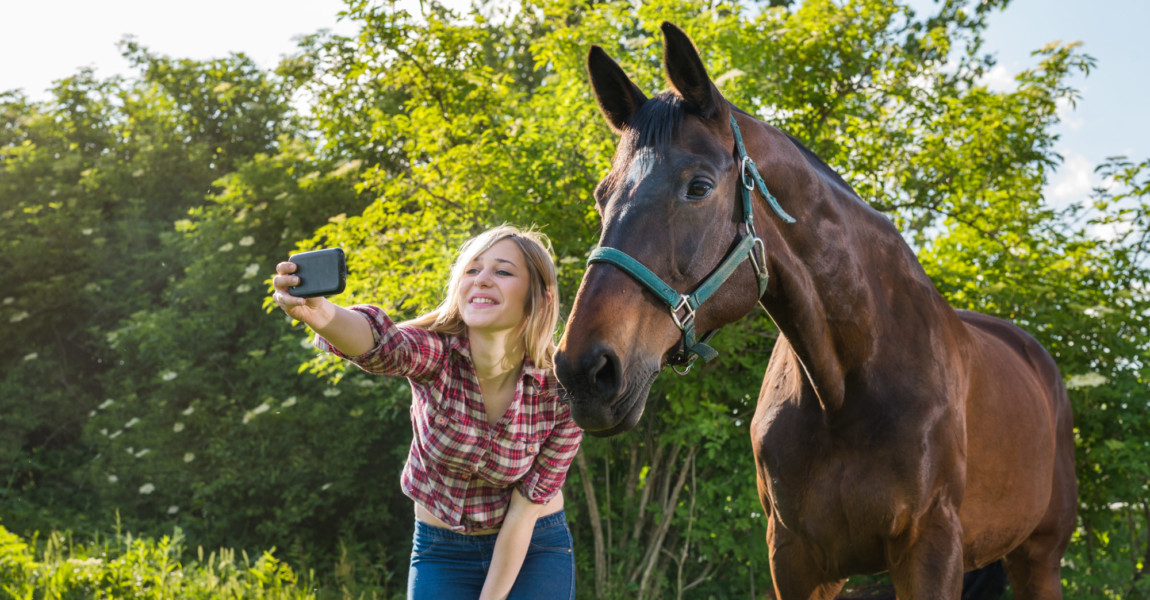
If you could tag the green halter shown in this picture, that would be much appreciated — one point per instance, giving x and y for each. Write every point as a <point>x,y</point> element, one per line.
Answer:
<point>683,306</point>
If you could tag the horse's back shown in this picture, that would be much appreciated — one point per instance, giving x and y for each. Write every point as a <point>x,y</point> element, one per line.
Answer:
<point>1020,446</point>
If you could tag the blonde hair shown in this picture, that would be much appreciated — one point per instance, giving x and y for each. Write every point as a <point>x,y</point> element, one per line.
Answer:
<point>538,328</point>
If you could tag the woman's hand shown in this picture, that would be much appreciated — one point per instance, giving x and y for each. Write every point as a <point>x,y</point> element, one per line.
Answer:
<point>314,312</point>
<point>348,331</point>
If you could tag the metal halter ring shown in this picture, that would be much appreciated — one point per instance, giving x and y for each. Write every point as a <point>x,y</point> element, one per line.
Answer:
<point>688,318</point>
<point>748,183</point>
<point>759,258</point>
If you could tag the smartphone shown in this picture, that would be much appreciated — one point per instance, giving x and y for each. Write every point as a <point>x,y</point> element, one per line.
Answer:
<point>320,272</point>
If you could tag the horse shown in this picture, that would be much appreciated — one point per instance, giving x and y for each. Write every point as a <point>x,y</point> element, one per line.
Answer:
<point>892,433</point>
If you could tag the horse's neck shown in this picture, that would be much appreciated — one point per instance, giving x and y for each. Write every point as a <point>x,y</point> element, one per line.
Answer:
<point>846,284</point>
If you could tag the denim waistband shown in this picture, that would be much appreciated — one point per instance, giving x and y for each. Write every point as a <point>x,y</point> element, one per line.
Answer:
<point>447,535</point>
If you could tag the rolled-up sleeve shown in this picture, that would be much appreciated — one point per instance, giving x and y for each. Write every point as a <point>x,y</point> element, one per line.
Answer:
<point>404,351</point>
<point>549,471</point>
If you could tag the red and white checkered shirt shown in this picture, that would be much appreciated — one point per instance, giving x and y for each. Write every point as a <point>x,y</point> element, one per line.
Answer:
<point>461,469</point>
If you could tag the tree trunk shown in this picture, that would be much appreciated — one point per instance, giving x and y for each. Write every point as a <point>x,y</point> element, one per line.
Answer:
<point>596,525</point>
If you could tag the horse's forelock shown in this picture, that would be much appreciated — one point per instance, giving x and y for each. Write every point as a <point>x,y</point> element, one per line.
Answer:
<point>652,128</point>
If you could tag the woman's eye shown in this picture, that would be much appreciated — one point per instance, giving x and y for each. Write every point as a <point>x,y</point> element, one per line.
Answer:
<point>698,189</point>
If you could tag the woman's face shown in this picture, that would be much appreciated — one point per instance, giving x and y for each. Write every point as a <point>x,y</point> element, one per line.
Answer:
<point>493,288</point>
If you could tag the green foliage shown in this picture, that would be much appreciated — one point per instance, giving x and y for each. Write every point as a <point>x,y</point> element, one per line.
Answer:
<point>136,568</point>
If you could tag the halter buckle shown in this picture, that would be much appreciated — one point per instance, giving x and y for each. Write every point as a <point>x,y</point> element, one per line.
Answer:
<point>748,182</point>
<point>688,318</point>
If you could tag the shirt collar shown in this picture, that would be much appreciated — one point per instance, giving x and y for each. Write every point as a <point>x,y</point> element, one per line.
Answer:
<point>461,345</point>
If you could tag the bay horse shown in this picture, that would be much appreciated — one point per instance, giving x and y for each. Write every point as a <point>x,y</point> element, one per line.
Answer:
<point>892,433</point>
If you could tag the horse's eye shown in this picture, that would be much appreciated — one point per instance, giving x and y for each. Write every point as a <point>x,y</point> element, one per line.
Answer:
<point>698,189</point>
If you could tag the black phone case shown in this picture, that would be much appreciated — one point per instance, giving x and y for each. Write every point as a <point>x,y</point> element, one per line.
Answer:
<point>320,272</point>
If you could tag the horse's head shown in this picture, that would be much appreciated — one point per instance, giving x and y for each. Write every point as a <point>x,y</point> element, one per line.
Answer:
<point>673,216</point>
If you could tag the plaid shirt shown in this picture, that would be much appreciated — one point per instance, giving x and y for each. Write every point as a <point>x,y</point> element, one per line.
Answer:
<point>461,469</point>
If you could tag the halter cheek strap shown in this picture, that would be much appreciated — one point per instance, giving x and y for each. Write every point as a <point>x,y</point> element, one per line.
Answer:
<point>683,306</point>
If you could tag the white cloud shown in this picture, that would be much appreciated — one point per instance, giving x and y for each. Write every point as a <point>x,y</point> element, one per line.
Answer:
<point>1073,181</point>
<point>999,79</point>
<point>1066,115</point>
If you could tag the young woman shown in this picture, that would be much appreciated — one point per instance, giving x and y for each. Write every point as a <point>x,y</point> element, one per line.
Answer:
<point>492,442</point>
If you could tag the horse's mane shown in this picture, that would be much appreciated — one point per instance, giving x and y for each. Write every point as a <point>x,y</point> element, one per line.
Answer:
<point>822,167</point>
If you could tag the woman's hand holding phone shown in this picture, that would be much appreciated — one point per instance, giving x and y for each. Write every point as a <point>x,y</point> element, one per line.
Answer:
<point>314,312</point>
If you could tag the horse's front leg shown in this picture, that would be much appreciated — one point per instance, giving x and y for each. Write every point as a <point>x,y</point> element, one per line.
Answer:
<point>794,573</point>
<point>926,562</point>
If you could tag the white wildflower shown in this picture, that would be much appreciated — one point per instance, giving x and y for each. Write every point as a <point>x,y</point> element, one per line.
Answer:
<point>1086,380</point>
<point>189,457</point>
<point>251,271</point>
<point>106,404</point>
<point>92,414</point>
<point>116,434</point>
<point>113,479</point>
<point>331,392</point>
<point>1098,312</point>
<point>87,231</point>
<point>289,402</point>
<point>178,427</point>
<point>243,289</point>
<point>325,486</point>
<point>189,410</point>
<point>20,316</point>
<point>169,375</point>
<point>147,488</point>
<point>304,343</point>
<point>247,240</point>
<point>226,247</point>
<point>104,432</point>
<point>143,453</point>
<point>9,300</point>
<point>131,422</point>
<point>259,410</point>
<point>31,356</point>
<point>173,509</point>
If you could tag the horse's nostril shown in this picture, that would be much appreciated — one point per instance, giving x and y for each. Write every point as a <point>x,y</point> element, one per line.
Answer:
<point>605,374</point>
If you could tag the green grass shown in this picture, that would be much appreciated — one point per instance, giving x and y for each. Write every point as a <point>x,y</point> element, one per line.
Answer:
<point>126,567</point>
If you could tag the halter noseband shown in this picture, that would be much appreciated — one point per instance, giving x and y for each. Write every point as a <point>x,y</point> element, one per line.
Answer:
<point>683,306</point>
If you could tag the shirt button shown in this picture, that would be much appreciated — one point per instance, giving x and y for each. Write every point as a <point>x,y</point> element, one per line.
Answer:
<point>467,475</point>
<point>440,419</point>
<point>531,449</point>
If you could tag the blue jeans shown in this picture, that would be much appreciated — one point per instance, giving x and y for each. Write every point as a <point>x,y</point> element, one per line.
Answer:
<point>446,565</point>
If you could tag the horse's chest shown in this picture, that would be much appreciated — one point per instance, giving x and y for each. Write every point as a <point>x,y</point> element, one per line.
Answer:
<point>821,487</point>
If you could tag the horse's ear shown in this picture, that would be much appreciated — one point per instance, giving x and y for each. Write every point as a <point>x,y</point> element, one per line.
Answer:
<point>619,98</point>
<point>687,75</point>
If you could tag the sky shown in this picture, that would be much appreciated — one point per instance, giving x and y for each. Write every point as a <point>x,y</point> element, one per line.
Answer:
<point>42,41</point>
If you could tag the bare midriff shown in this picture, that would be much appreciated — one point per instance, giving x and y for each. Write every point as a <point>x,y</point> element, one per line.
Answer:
<point>421,514</point>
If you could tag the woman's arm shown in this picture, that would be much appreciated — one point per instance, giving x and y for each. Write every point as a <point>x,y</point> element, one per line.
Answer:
<point>511,546</point>
<point>349,332</point>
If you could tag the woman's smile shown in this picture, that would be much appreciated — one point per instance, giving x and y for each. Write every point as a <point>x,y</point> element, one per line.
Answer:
<point>494,288</point>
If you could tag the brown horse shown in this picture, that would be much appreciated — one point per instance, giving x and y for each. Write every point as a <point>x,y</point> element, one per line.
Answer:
<point>892,433</point>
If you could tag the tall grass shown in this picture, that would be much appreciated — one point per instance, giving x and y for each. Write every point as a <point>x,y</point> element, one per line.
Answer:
<point>121,566</point>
